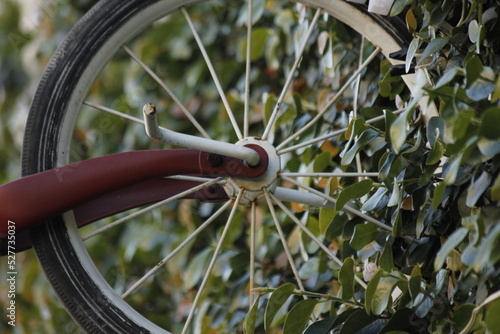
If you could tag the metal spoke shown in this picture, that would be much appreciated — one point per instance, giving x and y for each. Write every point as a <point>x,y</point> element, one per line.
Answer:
<point>212,262</point>
<point>168,91</point>
<point>246,115</point>
<point>177,249</point>
<point>289,80</point>
<point>212,72</point>
<point>333,174</point>
<point>151,207</point>
<point>333,200</point>
<point>332,101</point>
<point>190,178</point>
<point>332,134</point>
<point>114,112</point>
<point>283,240</point>
<point>356,100</point>
<point>312,236</point>
<point>252,250</point>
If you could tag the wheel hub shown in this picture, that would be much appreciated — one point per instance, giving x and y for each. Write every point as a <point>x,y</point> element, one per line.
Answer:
<point>253,186</point>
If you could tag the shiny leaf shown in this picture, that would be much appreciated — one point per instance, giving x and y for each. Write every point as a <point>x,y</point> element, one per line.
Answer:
<point>346,278</point>
<point>276,301</point>
<point>356,190</point>
<point>363,235</point>
<point>453,241</point>
<point>298,316</point>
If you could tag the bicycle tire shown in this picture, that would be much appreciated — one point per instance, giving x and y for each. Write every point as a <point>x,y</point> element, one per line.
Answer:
<point>86,296</point>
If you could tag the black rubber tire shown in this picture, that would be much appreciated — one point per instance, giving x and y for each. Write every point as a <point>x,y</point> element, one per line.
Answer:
<point>95,310</point>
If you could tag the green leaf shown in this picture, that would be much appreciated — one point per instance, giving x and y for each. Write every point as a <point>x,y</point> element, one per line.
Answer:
<point>321,327</point>
<point>438,195</point>
<point>321,162</point>
<point>483,86</point>
<point>412,50</point>
<point>196,268</point>
<point>399,130</point>
<point>473,70</point>
<point>453,241</point>
<point>399,6</point>
<point>374,199</point>
<point>489,124</point>
<point>475,34</point>
<point>435,154</point>
<point>414,282</point>
<point>389,119</point>
<point>258,7</point>
<point>495,190</point>
<point>488,250</point>
<point>396,195</point>
<point>398,322</point>
<point>326,216</point>
<point>258,46</point>
<point>477,188</point>
<point>462,315</point>
<point>492,319</point>
<point>276,301</point>
<point>356,190</point>
<point>366,137</point>
<point>251,318</point>
<point>434,46</point>
<point>496,92</point>
<point>452,172</point>
<point>489,148</point>
<point>382,297</point>
<point>447,77</point>
<point>363,235</point>
<point>435,130</point>
<point>297,318</point>
<point>358,320</point>
<point>387,258</point>
<point>346,278</point>
<point>371,289</point>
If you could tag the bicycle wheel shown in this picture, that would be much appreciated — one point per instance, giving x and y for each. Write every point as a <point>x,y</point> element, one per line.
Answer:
<point>308,69</point>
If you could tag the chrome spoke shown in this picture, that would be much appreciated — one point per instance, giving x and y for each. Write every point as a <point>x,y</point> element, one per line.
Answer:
<point>356,100</point>
<point>177,249</point>
<point>289,79</point>
<point>168,91</point>
<point>151,207</point>
<point>333,174</point>
<point>213,73</point>
<point>283,240</point>
<point>212,262</point>
<point>252,251</point>
<point>248,68</point>
<point>332,101</point>
<point>333,200</point>
<point>191,178</point>
<point>331,135</point>
<point>312,236</point>
<point>114,112</point>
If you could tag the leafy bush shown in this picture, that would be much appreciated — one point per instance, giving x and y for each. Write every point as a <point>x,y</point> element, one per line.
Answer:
<point>445,194</point>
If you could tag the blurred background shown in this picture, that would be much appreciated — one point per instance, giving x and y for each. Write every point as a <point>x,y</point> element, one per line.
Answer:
<point>30,31</point>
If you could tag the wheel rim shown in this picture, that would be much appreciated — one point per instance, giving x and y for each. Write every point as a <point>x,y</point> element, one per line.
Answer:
<point>277,136</point>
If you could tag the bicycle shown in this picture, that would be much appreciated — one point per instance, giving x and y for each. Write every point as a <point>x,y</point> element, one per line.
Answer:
<point>286,144</point>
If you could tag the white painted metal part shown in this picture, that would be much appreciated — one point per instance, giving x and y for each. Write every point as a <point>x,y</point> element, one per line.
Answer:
<point>193,142</point>
<point>253,187</point>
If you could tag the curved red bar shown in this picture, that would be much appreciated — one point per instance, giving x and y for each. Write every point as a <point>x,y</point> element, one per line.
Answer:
<point>35,198</point>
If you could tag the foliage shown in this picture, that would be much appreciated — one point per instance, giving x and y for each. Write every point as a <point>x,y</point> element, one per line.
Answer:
<point>445,193</point>
<point>438,186</point>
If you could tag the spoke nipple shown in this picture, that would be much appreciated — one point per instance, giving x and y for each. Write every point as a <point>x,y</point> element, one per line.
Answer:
<point>149,109</point>
<point>215,160</point>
